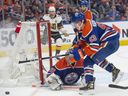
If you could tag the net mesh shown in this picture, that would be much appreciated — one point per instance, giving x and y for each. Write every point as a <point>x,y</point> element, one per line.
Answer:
<point>27,49</point>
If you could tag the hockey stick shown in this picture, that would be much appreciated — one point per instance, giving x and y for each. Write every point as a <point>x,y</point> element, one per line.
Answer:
<point>63,34</point>
<point>117,86</point>
<point>32,60</point>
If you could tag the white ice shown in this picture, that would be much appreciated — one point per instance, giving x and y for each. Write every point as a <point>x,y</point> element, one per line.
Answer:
<point>103,78</point>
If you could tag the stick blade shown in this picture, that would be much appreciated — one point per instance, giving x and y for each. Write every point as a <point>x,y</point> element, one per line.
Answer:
<point>117,86</point>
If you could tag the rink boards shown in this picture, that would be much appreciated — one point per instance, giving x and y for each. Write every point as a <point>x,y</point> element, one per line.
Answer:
<point>8,36</point>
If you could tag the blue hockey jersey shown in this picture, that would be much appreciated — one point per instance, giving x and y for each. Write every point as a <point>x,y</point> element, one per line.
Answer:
<point>96,36</point>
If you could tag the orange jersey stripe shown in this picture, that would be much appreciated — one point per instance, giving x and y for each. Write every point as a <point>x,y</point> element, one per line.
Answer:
<point>87,28</point>
<point>88,15</point>
<point>88,51</point>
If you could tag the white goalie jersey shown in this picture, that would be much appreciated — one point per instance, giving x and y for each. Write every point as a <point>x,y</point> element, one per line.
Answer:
<point>56,22</point>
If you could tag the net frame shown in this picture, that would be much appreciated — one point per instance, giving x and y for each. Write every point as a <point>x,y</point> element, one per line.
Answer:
<point>18,43</point>
<point>40,50</point>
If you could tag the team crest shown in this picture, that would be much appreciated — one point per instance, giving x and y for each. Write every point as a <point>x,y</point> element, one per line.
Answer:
<point>71,78</point>
<point>92,38</point>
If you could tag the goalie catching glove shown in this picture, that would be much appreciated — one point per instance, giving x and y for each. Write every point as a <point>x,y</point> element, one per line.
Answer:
<point>54,82</point>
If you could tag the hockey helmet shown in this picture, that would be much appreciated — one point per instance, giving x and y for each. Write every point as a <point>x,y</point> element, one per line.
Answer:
<point>84,3</point>
<point>70,59</point>
<point>78,16</point>
<point>51,9</point>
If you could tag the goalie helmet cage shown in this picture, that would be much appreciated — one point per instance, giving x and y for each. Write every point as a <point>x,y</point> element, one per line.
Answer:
<point>33,42</point>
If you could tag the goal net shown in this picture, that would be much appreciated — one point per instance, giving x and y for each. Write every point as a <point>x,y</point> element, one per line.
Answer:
<point>31,54</point>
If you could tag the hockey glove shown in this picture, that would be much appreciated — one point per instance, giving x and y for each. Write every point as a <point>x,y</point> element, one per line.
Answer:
<point>80,43</point>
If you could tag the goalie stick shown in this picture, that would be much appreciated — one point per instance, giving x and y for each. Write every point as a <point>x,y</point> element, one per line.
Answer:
<point>32,60</point>
<point>117,86</point>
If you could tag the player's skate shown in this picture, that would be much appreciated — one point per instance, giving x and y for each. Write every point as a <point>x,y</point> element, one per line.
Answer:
<point>88,88</point>
<point>116,75</point>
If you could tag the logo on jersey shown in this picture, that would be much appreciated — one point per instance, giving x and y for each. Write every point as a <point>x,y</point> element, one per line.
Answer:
<point>92,38</point>
<point>71,78</point>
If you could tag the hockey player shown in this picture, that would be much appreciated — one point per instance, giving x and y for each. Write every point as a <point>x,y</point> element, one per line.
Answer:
<point>56,28</point>
<point>98,41</point>
<point>77,26</point>
<point>80,19</point>
<point>67,71</point>
<point>84,5</point>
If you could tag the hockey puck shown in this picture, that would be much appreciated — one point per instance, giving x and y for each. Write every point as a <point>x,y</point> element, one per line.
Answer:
<point>7,92</point>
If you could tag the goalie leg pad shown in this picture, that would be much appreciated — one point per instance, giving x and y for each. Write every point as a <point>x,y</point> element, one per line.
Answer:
<point>54,82</point>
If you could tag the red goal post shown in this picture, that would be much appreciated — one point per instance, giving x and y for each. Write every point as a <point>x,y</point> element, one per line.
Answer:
<point>39,46</point>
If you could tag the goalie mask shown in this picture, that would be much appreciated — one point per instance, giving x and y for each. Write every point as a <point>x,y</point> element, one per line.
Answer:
<point>70,59</point>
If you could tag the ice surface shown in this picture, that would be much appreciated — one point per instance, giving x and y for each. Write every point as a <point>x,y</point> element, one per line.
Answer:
<point>103,78</point>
